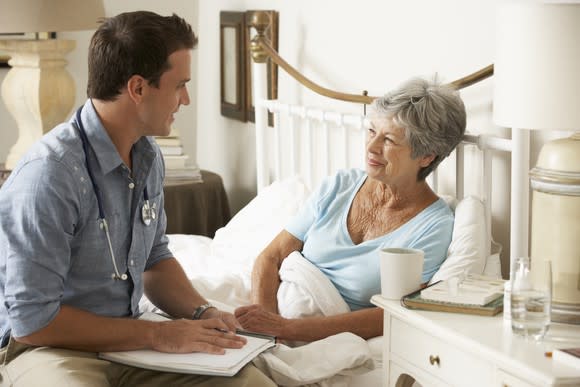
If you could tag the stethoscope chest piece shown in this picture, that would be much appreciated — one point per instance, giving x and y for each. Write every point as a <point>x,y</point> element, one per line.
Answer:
<point>148,213</point>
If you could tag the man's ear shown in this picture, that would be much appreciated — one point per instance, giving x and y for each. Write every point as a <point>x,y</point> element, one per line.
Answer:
<point>135,87</point>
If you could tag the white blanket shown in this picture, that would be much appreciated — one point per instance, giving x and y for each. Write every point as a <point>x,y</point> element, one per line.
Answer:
<point>318,363</point>
<point>304,291</point>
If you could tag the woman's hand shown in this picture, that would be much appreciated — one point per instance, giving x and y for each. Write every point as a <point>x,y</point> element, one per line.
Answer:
<point>257,319</point>
<point>228,318</point>
<point>183,336</point>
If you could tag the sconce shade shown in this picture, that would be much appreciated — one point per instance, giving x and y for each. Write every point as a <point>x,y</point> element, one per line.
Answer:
<point>49,15</point>
<point>537,66</point>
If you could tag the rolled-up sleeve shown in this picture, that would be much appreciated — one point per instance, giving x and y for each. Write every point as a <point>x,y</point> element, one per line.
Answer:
<point>43,207</point>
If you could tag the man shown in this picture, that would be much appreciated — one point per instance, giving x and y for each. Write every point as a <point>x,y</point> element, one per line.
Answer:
<point>82,227</point>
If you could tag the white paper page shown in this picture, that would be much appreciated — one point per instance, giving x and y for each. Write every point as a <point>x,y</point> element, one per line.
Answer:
<point>196,360</point>
<point>231,358</point>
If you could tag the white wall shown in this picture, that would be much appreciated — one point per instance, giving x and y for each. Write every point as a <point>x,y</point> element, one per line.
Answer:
<point>347,46</point>
<point>353,46</point>
<point>77,65</point>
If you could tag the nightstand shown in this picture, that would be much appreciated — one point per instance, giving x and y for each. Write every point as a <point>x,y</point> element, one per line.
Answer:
<point>4,173</point>
<point>451,349</point>
<point>194,207</point>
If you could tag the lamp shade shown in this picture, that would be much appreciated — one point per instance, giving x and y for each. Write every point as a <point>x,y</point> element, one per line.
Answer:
<point>537,66</point>
<point>49,15</point>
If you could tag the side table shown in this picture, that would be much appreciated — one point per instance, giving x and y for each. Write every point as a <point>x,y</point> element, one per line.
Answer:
<point>454,349</point>
<point>4,173</point>
<point>194,207</point>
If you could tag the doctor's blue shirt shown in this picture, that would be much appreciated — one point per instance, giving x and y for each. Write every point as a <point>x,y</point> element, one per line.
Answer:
<point>52,250</point>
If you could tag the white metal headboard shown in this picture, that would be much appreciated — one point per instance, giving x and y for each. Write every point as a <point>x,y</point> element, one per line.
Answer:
<point>313,118</point>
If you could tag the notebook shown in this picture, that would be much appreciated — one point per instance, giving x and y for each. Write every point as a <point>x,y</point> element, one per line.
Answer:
<point>194,363</point>
<point>473,290</point>
<point>415,300</point>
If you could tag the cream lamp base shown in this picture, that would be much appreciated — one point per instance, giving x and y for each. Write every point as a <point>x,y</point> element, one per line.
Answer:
<point>556,223</point>
<point>38,90</point>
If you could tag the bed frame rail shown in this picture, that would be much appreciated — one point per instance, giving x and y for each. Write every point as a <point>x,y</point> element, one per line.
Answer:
<point>304,139</point>
<point>518,145</point>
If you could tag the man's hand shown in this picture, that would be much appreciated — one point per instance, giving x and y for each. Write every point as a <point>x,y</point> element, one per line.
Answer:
<point>257,319</point>
<point>209,335</point>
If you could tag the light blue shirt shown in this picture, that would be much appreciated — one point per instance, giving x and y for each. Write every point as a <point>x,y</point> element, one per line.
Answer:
<point>355,269</point>
<point>52,251</point>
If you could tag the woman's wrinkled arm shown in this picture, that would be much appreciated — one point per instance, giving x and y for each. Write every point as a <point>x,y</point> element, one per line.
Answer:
<point>366,323</point>
<point>265,278</point>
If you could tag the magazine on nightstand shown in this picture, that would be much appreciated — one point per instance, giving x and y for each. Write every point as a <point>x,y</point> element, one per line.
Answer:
<point>415,300</point>
<point>197,362</point>
<point>472,289</point>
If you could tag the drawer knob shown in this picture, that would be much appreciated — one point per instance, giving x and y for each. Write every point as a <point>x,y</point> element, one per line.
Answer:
<point>434,360</point>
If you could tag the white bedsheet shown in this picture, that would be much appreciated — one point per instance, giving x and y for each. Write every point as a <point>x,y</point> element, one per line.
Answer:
<point>225,281</point>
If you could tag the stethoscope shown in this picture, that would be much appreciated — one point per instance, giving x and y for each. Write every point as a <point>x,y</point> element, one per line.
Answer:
<point>148,212</point>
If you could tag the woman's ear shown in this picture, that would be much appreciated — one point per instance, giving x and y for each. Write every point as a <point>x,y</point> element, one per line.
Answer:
<point>426,160</point>
<point>135,87</point>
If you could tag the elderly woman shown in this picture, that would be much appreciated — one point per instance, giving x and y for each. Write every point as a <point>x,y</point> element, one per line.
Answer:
<point>355,213</point>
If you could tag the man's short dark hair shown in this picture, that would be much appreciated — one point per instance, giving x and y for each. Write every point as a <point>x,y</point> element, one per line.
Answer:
<point>134,43</point>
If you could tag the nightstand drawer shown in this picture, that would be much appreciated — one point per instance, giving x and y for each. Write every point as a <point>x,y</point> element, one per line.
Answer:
<point>439,358</point>
<point>505,379</point>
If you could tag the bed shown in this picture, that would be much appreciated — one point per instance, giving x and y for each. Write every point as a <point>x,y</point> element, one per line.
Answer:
<point>304,145</point>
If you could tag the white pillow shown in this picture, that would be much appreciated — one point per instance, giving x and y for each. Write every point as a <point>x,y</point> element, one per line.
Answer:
<point>493,263</point>
<point>467,252</point>
<point>251,229</point>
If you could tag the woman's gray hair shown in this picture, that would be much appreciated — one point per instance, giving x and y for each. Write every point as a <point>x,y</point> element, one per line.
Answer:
<point>432,116</point>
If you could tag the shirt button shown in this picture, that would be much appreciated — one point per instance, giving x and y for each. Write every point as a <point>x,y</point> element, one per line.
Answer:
<point>132,263</point>
<point>131,185</point>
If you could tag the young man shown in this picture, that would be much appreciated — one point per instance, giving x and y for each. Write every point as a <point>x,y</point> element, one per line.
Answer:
<point>82,227</point>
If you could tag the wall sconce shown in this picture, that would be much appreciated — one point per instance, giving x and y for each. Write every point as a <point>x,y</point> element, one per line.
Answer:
<point>235,63</point>
<point>38,90</point>
<point>536,80</point>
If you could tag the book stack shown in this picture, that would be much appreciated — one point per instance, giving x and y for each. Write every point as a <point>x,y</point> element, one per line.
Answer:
<point>474,294</point>
<point>472,290</point>
<point>176,166</point>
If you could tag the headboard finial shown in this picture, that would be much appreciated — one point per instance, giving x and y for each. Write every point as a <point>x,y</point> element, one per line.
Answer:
<point>260,21</point>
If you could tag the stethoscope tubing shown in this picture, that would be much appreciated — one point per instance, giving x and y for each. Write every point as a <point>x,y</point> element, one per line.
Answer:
<point>147,212</point>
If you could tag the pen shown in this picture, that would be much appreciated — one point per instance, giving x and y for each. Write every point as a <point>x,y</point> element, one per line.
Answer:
<point>250,334</point>
<point>255,334</point>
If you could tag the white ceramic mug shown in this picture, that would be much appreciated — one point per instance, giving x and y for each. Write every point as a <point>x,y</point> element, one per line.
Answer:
<point>401,270</point>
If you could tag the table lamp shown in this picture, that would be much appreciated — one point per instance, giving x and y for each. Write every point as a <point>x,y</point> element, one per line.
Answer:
<point>537,87</point>
<point>38,90</point>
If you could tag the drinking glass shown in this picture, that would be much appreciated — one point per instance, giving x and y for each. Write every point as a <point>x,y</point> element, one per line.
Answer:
<point>531,296</point>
